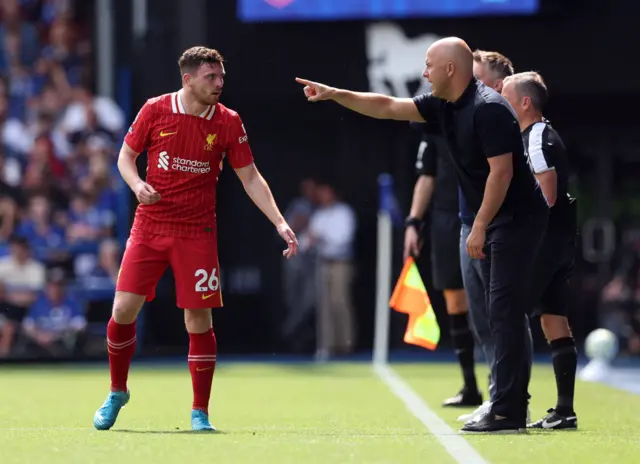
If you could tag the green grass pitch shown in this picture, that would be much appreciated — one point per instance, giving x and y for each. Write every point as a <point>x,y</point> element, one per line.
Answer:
<point>337,413</point>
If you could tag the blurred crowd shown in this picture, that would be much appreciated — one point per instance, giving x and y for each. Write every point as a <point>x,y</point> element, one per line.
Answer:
<point>318,283</point>
<point>620,311</point>
<point>58,178</point>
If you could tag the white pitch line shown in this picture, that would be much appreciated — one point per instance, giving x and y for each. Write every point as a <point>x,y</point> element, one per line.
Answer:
<point>455,445</point>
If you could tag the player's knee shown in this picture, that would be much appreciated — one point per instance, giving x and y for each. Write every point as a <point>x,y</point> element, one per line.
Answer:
<point>456,301</point>
<point>555,327</point>
<point>197,320</point>
<point>126,307</point>
<point>124,314</point>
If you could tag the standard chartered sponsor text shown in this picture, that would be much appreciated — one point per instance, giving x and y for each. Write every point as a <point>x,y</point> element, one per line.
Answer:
<point>192,166</point>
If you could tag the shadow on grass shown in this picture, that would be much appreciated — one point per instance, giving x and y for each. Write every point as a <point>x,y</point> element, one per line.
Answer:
<point>269,432</point>
<point>169,432</point>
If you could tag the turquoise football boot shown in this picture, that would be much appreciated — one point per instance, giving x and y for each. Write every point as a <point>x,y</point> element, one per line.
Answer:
<point>106,416</point>
<point>200,421</point>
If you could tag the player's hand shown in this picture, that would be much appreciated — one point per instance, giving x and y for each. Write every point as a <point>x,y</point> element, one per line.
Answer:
<point>476,241</point>
<point>292,242</point>
<point>146,194</point>
<point>314,91</point>
<point>412,243</point>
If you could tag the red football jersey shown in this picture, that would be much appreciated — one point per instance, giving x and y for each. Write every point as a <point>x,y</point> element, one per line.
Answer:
<point>185,157</point>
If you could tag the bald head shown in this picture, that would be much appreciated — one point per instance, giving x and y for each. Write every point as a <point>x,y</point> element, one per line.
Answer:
<point>455,50</point>
<point>449,67</point>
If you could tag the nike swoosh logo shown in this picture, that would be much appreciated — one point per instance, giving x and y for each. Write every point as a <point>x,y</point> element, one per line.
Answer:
<point>200,369</point>
<point>549,425</point>
<point>164,134</point>
<point>206,297</point>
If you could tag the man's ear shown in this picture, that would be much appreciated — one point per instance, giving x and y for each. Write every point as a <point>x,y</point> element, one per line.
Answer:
<point>451,67</point>
<point>499,85</point>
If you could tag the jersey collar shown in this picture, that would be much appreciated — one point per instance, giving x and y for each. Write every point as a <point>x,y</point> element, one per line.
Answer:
<point>178,107</point>
<point>468,93</point>
<point>542,121</point>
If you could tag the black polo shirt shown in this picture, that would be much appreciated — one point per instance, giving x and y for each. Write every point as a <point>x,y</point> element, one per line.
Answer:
<point>434,161</point>
<point>547,152</point>
<point>481,125</point>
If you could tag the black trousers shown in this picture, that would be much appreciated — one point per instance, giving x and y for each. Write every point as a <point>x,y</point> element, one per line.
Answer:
<point>512,243</point>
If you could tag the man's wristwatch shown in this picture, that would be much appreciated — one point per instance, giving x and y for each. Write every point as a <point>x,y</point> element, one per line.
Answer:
<point>414,222</point>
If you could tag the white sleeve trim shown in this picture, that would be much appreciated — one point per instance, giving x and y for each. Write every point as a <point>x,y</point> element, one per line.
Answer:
<point>536,154</point>
<point>419,159</point>
<point>547,169</point>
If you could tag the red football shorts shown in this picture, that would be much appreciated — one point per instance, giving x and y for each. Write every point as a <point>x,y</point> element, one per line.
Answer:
<point>194,262</point>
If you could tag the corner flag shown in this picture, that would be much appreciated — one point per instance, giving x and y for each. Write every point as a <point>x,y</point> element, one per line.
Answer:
<point>410,297</point>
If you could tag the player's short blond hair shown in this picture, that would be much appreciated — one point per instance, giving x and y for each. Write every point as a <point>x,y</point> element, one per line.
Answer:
<point>194,57</point>
<point>530,84</point>
<point>496,62</point>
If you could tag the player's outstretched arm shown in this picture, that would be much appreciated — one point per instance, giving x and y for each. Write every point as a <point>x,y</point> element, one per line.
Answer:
<point>260,193</point>
<point>374,105</point>
<point>146,194</point>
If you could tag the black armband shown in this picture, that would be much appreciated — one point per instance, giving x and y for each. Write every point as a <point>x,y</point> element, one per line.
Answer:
<point>414,222</point>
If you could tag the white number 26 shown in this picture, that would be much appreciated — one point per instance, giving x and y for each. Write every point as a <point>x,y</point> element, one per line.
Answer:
<point>211,280</point>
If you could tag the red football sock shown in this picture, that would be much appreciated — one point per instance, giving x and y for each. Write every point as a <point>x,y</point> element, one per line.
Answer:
<point>202,364</point>
<point>121,345</point>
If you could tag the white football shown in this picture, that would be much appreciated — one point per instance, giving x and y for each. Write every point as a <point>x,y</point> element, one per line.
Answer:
<point>601,345</point>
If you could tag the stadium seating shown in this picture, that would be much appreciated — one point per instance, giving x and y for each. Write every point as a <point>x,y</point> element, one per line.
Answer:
<point>58,147</point>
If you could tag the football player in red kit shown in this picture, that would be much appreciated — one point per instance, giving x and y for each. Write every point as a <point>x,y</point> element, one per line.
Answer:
<point>187,135</point>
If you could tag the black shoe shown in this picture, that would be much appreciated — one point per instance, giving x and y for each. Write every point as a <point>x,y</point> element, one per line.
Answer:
<point>489,424</point>
<point>466,398</point>
<point>555,421</point>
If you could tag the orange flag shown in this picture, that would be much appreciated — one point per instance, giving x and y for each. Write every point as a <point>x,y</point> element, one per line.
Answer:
<point>410,297</point>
